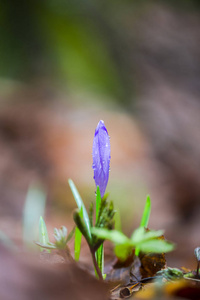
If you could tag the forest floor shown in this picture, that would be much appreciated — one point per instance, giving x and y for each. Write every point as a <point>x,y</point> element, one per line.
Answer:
<point>51,142</point>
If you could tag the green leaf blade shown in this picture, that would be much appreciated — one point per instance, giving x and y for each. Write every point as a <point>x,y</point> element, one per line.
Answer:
<point>146,213</point>
<point>77,244</point>
<point>77,240</point>
<point>100,258</point>
<point>100,251</point>
<point>98,202</point>
<point>82,226</point>
<point>156,246</point>
<point>145,218</point>
<point>43,234</point>
<point>46,246</point>
<point>114,236</point>
<point>140,235</point>
<point>70,235</point>
<point>80,205</point>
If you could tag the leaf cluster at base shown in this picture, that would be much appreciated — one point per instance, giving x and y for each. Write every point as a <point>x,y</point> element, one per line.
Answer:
<point>104,221</point>
<point>146,241</point>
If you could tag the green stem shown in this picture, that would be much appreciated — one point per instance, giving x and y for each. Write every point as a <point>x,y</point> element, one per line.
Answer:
<point>96,265</point>
<point>65,253</point>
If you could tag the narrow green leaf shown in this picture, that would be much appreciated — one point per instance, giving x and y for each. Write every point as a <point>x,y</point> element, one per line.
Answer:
<point>77,240</point>
<point>46,246</point>
<point>156,246</point>
<point>98,202</point>
<point>100,251</point>
<point>114,236</point>
<point>70,235</point>
<point>43,234</point>
<point>80,204</point>
<point>145,218</point>
<point>146,213</point>
<point>77,244</point>
<point>100,258</point>
<point>82,226</point>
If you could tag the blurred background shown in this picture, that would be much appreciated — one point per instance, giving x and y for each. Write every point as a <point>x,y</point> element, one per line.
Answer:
<point>64,65</point>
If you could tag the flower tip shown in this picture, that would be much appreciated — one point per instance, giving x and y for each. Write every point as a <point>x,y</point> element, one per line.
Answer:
<point>100,125</point>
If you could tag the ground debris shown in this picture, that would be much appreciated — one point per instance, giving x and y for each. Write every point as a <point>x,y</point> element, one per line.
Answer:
<point>134,273</point>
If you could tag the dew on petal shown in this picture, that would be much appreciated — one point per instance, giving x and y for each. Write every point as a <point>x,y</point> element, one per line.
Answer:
<point>101,157</point>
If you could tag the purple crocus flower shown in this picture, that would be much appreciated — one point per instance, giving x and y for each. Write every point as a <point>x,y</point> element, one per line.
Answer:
<point>101,157</point>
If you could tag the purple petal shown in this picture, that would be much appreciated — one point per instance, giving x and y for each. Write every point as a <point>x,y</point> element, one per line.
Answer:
<point>101,157</point>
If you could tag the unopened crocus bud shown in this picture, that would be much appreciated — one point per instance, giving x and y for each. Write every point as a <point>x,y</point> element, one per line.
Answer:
<point>101,157</point>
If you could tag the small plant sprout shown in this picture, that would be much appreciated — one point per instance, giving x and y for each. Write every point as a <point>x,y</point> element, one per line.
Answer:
<point>61,239</point>
<point>97,225</point>
<point>104,210</point>
<point>141,239</point>
<point>145,219</point>
<point>85,223</point>
<point>146,241</point>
